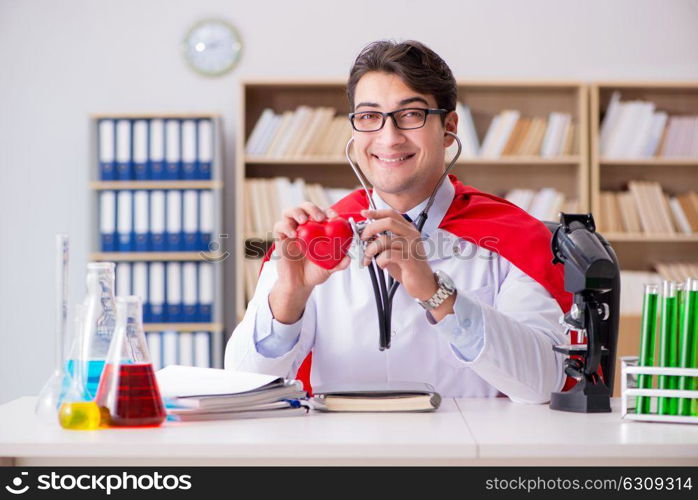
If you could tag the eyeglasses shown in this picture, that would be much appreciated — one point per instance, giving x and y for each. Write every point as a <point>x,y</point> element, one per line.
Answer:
<point>404,119</point>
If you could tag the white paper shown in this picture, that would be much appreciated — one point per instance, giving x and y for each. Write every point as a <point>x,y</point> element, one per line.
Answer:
<point>182,381</point>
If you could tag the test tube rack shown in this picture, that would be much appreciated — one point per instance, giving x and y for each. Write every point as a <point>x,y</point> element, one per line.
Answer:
<point>630,391</point>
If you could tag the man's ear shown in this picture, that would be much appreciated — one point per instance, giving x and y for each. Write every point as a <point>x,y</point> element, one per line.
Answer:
<point>450,125</point>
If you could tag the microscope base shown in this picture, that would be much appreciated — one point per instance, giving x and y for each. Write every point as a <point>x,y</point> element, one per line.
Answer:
<point>585,397</point>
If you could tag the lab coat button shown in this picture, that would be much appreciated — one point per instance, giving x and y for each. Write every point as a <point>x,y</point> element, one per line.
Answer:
<point>466,323</point>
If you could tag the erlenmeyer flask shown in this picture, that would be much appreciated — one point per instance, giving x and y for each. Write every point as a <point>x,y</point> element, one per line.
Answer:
<point>99,322</point>
<point>128,390</point>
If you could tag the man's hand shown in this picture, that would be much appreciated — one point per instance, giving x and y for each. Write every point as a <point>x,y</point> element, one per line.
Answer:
<point>401,253</point>
<point>297,275</point>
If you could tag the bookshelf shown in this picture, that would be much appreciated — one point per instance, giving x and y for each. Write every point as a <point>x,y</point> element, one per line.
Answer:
<point>567,174</point>
<point>215,328</point>
<point>638,252</point>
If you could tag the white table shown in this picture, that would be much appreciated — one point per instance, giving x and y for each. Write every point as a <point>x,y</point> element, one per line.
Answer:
<point>461,432</point>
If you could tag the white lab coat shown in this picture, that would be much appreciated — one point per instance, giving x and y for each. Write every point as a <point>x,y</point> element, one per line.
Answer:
<point>515,315</point>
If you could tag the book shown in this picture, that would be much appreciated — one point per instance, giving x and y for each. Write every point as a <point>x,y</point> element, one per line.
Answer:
<point>376,397</point>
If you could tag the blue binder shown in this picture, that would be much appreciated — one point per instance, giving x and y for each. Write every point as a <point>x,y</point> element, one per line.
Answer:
<point>190,220</point>
<point>205,220</point>
<point>173,145</point>
<point>173,298</point>
<point>107,150</point>
<point>124,221</point>
<point>123,150</point>
<point>173,229</point>
<point>140,150</point>
<point>157,221</point>
<point>190,310</point>
<point>107,222</point>
<point>140,221</point>
<point>156,150</point>
<point>205,296</point>
<point>156,291</point>
<point>204,149</point>
<point>189,164</point>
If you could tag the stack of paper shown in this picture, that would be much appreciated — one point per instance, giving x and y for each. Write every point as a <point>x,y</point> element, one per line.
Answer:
<point>192,393</point>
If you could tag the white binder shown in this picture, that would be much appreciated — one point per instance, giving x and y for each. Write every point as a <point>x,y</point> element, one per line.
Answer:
<point>107,220</point>
<point>206,292</point>
<point>107,148</point>
<point>155,348</point>
<point>123,150</point>
<point>140,220</point>
<point>123,220</point>
<point>157,221</point>
<point>123,279</point>
<point>205,149</point>
<point>140,283</point>
<point>140,150</point>
<point>191,218</point>
<point>156,160</point>
<point>189,292</point>
<point>169,348</point>
<point>186,349</point>
<point>202,349</point>
<point>172,149</point>
<point>174,292</point>
<point>189,149</point>
<point>206,219</point>
<point>156,289</point>
<point>174,220</point>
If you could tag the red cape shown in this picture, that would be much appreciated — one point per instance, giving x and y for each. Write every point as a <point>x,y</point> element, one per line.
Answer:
<point>487,221</point>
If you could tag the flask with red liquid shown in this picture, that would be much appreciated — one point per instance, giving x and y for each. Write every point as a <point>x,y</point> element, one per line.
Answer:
<point>128,391</point>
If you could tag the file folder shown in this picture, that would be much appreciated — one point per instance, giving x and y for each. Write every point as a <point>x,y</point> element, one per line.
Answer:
<point>140,221</point>
<point>172,149</point>
<point>174,292</point>
<point>205,292</point>
<point>140,287</point>
<point>107,150</point>
<point>155,348</point>
<point>186,349</point>
<point>202,349</point>
<point>140,150</point>
<point>107,220</point>
<point>156,157</point>
<point>123,279</point>
<point>174,221</point>
<point>157,221</point>
<point>189,166</point>
<point>205,149</point>
<point>189,293</point>
<point>124,223</point>
<point>123,150</point>
<point>206,219</point>
<point>170,355</point>
<point>156,292</point>
<point>190,220</point>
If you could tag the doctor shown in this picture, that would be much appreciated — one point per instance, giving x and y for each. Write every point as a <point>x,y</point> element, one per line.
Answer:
<point>478,307</point>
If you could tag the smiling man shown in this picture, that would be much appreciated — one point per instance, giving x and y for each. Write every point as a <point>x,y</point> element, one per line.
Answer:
<point>478,307</point>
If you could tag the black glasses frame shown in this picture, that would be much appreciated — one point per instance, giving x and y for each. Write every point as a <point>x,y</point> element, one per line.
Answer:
<point>391,114</point>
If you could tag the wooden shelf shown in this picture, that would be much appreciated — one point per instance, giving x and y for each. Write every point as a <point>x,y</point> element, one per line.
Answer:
<point>156,256</point>
<point>649,162</point>
<point>183,327</point>
<point>651,238</point>
<point>166,114</point>
<point>115,185</point>
<point>507,160</point>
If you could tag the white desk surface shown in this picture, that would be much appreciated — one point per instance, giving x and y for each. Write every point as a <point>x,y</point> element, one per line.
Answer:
<point>462,432</point>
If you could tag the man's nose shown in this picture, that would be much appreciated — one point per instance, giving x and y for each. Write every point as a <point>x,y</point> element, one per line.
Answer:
<point>390,134</point>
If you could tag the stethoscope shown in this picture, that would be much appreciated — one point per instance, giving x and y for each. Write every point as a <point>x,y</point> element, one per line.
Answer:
<point>384,294</point>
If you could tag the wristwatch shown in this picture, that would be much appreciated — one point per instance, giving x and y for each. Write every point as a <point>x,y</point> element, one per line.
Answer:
<point>446,289</point>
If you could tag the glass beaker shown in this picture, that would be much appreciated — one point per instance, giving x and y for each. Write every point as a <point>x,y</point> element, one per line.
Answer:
<point>128,390</point>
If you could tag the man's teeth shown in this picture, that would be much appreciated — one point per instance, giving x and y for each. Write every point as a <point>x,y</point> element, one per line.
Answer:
<point>393,160</point>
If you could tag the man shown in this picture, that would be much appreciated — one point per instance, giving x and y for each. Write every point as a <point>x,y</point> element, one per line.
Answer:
<point>492,335</point>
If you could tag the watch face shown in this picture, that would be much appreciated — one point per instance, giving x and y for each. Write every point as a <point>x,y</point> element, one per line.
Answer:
<point>212,47</point>
<point>445,280</point>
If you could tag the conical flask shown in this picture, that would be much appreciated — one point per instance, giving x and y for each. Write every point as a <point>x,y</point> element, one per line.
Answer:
<point>128,390</point>
<point>99,310</point>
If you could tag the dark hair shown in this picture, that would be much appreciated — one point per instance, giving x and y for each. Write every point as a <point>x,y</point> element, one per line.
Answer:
<point>417,65</point>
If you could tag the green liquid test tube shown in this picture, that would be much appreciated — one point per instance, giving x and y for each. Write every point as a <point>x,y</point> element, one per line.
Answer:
<point>647,334</point>
<point>689,344</point>
<point>668,346</point>
<point>681,309</point>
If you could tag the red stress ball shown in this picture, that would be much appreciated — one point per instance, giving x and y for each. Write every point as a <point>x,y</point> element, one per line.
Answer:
<point>325,243</point>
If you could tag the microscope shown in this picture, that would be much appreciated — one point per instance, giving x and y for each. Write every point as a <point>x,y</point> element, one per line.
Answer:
<point>591,274</point>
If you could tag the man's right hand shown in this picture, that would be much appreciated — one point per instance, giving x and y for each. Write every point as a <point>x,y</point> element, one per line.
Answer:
<point>297,276</point>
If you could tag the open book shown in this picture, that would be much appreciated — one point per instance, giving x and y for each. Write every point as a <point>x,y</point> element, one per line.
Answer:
<point>377,397</point>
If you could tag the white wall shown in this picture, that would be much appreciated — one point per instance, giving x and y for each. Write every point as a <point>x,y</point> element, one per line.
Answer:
<point>60,61</point>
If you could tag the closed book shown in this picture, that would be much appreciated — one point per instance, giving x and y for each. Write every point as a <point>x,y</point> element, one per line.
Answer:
<point>156,291</point>
<point>123,150</point>
<point>140,221</point>
<point>206,292</point>
<point>124,222</point>
<point>107,150</point>
<point>173,298</point>
<point>252,144</point>
<point>173,148</point>
<point>157,221</point>
<point>107,220</point>
<point>173,228</point>
<point>140,150</point>
<point>376,397</point>
<point>206,220</point>
<point>202,349</point>
<point>189,293</point>
<point>156,150</point>
<point>189,167</point>
<point>190,220</point>
<point>205,138</point>
<point>140,287</point>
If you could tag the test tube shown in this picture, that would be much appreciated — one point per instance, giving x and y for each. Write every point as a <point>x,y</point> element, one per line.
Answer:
<point>668,346</point>
<point>689,344</point>
<point>647,336</point>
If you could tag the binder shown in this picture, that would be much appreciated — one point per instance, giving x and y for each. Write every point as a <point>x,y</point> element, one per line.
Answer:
<point>173,299</point>
<point>173,229</point>
<point>157,221</point>
<point>189,166</point>
<point>156,292</point>
<point>140,221</point>
<point>124,221</point>
<point>123,150</point>
<point>172,149</point>
<point>205,292</point>
<point>140,287</point>
<point>206,220</point>
<point>156,156</point>
<point>107,141</point>
<point>140,150</point>
<point>107,220</point>
<point>202,349</point>
<point>186,349</point>
<point>189,293</point>
<point>123,279</point>
<point>190,220</point>
<point>155,348</point>
<point>205,149</point>
<point>170,355</point>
